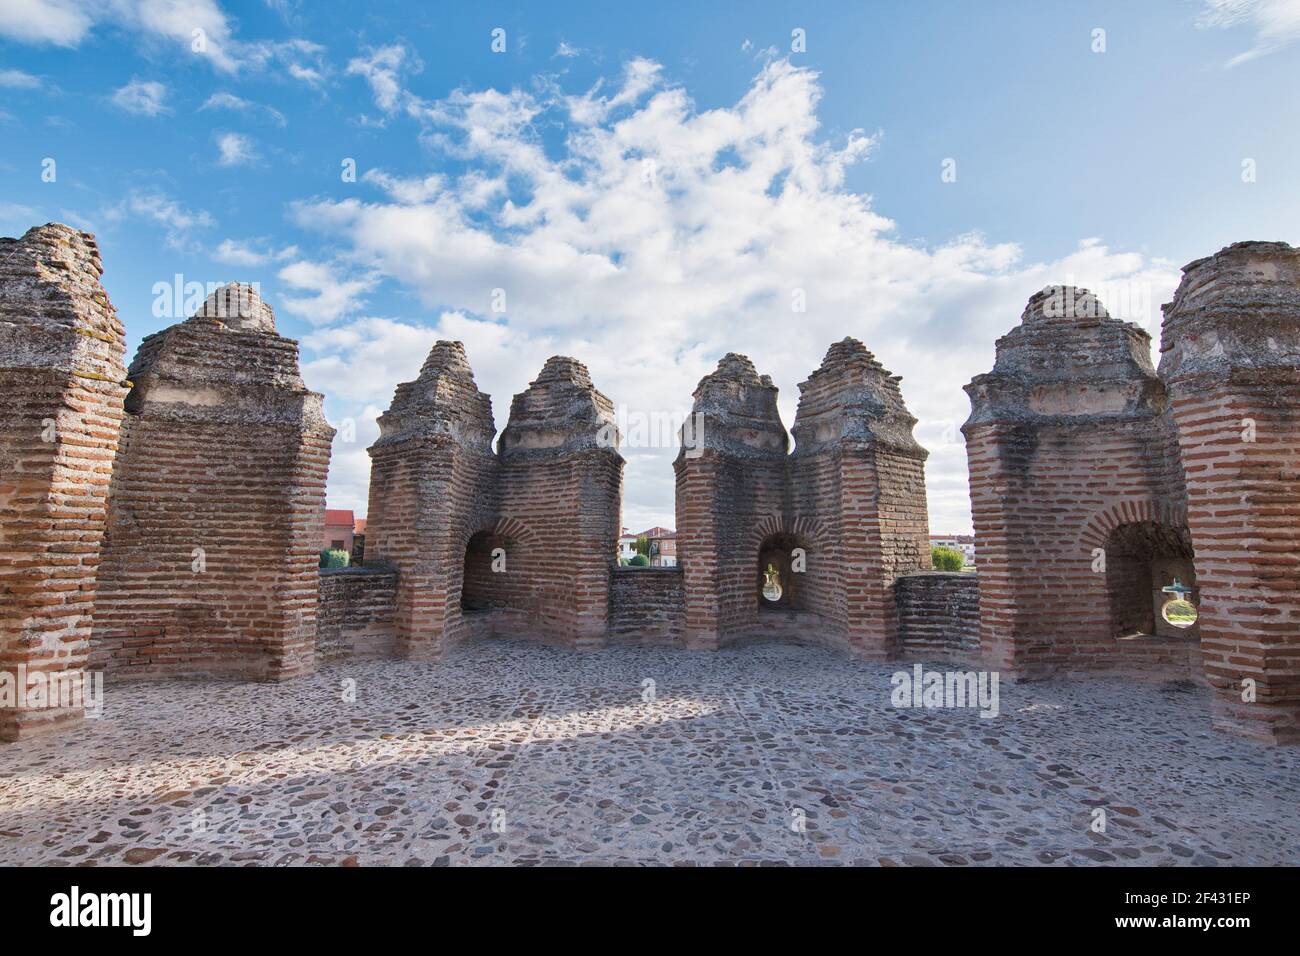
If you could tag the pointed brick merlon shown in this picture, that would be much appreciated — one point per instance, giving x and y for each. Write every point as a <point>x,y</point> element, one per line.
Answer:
<point>54,314</point>
<point>853,400</point>
<point>225,363</point>
<point>1067,361</point>
<point>1238,309</point>
<point>239,306</point>
<point>442,401</point>
<point>735,413</point>
<point>61,364</point>
<point>561,411</point>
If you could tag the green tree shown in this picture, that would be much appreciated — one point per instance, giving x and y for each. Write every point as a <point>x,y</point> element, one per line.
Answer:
<point>334,559</point>
<point>947,559</point>
<point>639,561</point>
<point>643,545</point>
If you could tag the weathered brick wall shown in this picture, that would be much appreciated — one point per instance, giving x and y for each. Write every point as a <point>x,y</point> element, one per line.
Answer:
<point>1230,351</point>
<point>851,414</point>
<point>647,606</point>
<point>1069,444</point>
<point>441,500</point>
<point>62,385</point>
<point>217,503</point>
<point>730,476</point>
<point>357,615</point>
<point>561,478</point>
<point>851,497</point>
<point>939,612</point>
<point>432,485</point>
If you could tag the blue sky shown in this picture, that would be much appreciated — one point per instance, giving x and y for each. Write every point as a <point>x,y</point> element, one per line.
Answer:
<point>650,186</point>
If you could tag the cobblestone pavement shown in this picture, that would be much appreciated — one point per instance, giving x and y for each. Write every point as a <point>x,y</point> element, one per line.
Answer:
<point>519,753</point>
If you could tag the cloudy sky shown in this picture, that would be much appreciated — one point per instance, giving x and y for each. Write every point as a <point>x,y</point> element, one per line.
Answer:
<point>649,187</point>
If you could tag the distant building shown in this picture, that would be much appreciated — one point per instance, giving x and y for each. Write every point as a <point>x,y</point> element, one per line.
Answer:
<point>626,546</point>
<point>342,529</point>
<point>965,543</point>
<point>358,540</point>
<point>663,546</point>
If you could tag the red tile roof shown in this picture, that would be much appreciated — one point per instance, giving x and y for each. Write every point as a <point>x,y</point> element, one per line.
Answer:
<point>658,532</point>
<point>339,516</point>
<point>360,526</point>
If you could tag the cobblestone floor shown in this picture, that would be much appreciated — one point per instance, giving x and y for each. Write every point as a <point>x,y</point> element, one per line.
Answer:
<point>519,753</point>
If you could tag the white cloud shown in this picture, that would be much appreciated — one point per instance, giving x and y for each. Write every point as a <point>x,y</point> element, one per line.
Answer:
<point>309,75</point>
<point>384,69</point>
<point>18,80</point>
<point>299,59</point>
<point>332,297</point>
<point>189,27</point>
<point>58,22</point>
<point>178,222</point>
<point>235,149</point>
<point>251,252</point>
<point>662,236</point>
<point>229,101</point>
<point>16,219</point>
<point>1276,23</point>
<point>566,50</point>
<point>142,97</point>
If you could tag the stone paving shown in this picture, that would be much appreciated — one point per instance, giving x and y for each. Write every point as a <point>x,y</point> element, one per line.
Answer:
<point>519,753</point>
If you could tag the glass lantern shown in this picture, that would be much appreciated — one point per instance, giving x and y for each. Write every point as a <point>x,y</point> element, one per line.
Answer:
<point>772,583</point>
<point>1177,610</point>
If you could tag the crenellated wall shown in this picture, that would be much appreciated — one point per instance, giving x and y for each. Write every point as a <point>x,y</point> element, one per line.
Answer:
<point>1076,490</point>
<point>173,530</point>
<point>836,521</point>
<point>1097,481</point>
<point>514,542</point>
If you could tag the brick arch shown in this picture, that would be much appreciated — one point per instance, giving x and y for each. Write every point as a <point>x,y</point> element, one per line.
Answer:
<point>511,528</point>
<point>1098,527</point>
<point>810,530</point>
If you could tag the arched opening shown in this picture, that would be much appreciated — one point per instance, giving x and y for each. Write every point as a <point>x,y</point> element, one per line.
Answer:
<point>488,584</point>
<point>782,561</point>
<point>1143,558</point>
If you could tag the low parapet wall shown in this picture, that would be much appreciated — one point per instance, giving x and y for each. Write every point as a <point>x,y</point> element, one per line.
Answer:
<point>939,611</point>
<point>647,606</point>
<point>356,617</point>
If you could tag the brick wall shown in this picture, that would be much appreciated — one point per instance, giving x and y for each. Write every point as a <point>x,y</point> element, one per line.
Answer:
<point>938,612</point>
<point>561,478</point>
<point>1070,447</point>
<point>858,475</point>
<point>647,606</point>
<point>441,500</point>
<point>357,615</point>
<point>174,530</point>
<point>432,486</point>
<point>1230,350</point>
<point>851,498</point>
<point>61,397</point>
<point>217,504</point>
<point>730,475</point>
